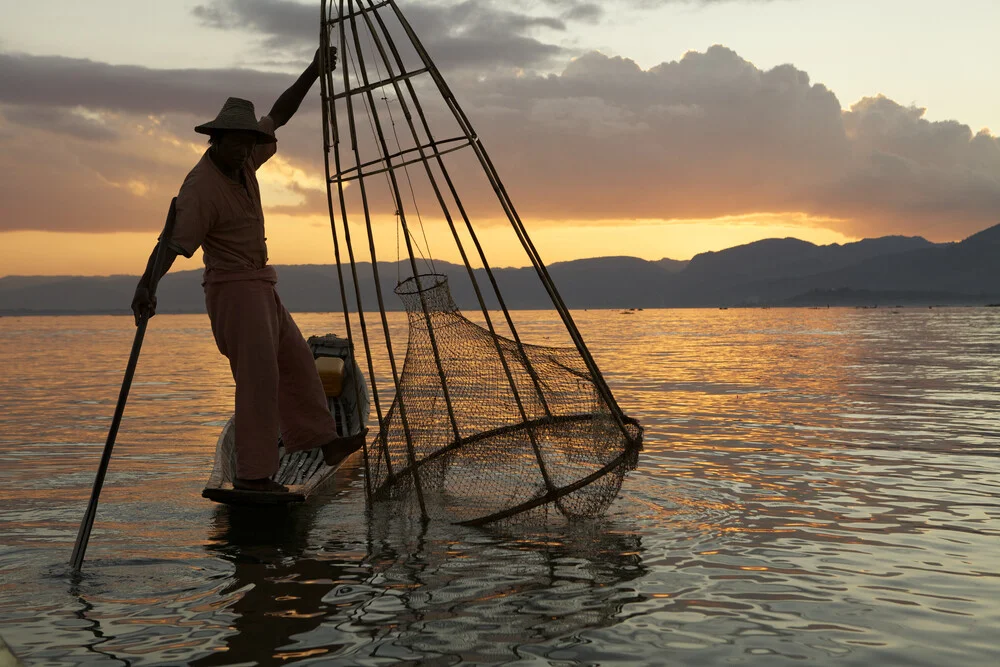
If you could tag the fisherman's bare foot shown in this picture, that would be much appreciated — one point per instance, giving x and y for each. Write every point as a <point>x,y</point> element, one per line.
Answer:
<point>340,448</point>
<point>265,484</point>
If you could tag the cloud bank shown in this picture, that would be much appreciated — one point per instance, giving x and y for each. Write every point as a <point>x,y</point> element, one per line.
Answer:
<point>97,147</point>
<point>713,135</point>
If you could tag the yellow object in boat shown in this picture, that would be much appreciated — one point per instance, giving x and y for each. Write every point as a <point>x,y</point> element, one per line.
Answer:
<point>331,372</point>
<point>8,659</point>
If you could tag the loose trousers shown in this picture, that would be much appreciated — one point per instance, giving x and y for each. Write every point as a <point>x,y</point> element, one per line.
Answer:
<point>278,389</point>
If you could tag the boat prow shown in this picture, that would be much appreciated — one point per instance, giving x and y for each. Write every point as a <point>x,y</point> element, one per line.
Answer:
<point>302,472</point>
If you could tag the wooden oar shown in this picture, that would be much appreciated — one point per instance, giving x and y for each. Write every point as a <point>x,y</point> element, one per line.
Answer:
<point>88,519</point>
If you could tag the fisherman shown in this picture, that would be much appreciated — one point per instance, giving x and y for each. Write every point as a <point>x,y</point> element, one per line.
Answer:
<point>278,389</point>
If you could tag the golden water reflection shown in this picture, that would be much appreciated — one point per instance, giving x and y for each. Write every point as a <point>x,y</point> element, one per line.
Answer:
<point>815,484</point>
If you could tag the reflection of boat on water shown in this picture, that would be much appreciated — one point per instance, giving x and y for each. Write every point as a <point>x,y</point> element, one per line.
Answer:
<point>295,596</point>
<point>273,601</point>
<point>302,472</point>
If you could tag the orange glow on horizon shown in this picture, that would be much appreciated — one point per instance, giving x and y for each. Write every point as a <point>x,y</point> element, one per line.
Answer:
<point>308,240</point>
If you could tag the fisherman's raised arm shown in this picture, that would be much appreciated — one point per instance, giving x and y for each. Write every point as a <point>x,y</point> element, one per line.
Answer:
<point>288,102</point>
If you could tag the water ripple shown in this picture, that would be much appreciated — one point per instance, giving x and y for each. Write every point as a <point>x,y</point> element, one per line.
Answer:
<point>816,485</point>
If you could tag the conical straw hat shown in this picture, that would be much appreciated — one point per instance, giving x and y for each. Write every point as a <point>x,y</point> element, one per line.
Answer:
<point>237,114</point>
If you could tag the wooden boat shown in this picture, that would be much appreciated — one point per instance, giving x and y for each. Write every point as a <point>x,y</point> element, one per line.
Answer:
<point>7,657</point>
<point>302,472</point>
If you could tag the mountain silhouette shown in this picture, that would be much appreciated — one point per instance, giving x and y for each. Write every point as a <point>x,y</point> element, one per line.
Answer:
<point>889,270</point>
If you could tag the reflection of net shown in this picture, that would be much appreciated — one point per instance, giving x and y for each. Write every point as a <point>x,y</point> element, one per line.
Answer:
<point>476,454</point>
<point>499,596</point>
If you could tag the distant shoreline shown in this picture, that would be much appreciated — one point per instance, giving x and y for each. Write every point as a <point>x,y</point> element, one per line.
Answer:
<point>775,273</point>
<point>613,310</point>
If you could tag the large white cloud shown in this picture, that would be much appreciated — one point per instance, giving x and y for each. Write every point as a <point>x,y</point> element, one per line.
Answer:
<point>713,135</point>
<point>907,173</point>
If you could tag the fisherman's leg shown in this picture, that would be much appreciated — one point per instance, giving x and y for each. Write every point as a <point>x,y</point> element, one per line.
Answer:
<point>306,422</point>
<point>245,324</point>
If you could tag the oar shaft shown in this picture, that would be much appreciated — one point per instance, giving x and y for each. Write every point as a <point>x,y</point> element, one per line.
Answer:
<point>83,536</point>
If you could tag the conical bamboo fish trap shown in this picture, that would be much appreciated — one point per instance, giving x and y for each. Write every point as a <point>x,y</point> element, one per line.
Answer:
<point>482,426</point>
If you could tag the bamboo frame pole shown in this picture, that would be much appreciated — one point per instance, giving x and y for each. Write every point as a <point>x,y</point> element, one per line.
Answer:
<point>465,217</point>
<point>517,224</point>
<point>330,111</point>
<point>325,98</point>
<point>543,470</point>
<point>397,198</point>
<point>378,285</point>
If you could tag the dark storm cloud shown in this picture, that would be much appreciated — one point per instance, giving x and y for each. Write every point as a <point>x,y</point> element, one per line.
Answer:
<point>584,12</point>
<point>60,122</point>
<point>474,34</point>
<point>282,25</point>
<point>70,82</point>
<point>470,34</point>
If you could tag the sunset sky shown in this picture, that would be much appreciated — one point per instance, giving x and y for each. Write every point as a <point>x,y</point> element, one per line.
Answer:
<point>650,128</point>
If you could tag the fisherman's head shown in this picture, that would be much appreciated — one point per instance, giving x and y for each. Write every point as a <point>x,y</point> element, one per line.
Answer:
<point>232,147</point>
<point>234,133</point>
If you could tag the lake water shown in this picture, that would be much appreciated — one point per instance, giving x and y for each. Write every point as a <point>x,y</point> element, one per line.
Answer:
<point>817,486</point>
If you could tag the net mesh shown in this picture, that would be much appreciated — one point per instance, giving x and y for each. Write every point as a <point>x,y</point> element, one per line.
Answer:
<point>491,429</point>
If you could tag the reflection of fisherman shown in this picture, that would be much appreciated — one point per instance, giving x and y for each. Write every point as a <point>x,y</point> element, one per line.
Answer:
<point>219,209</point>
<point>276,589</point>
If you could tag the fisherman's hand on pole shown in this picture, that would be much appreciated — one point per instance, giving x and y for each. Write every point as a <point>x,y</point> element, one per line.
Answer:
<point>327,59</point>
<point>143,303</point>
<point>160,261</point>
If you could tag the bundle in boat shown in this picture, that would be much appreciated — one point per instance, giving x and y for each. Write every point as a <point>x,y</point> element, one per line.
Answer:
<point>485,428</point>
<point>302,472</point>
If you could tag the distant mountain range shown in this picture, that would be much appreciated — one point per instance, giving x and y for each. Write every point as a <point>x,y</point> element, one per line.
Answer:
<point>891,270</point>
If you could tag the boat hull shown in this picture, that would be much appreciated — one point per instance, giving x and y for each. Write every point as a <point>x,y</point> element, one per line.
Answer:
<point>303,473</point>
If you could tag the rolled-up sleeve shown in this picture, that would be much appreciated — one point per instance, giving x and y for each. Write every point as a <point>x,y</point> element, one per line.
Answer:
<point>263,152</point>
<point>195,216</point>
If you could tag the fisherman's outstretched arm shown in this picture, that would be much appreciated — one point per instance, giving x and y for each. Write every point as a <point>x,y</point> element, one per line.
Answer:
<point>289,101</point>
